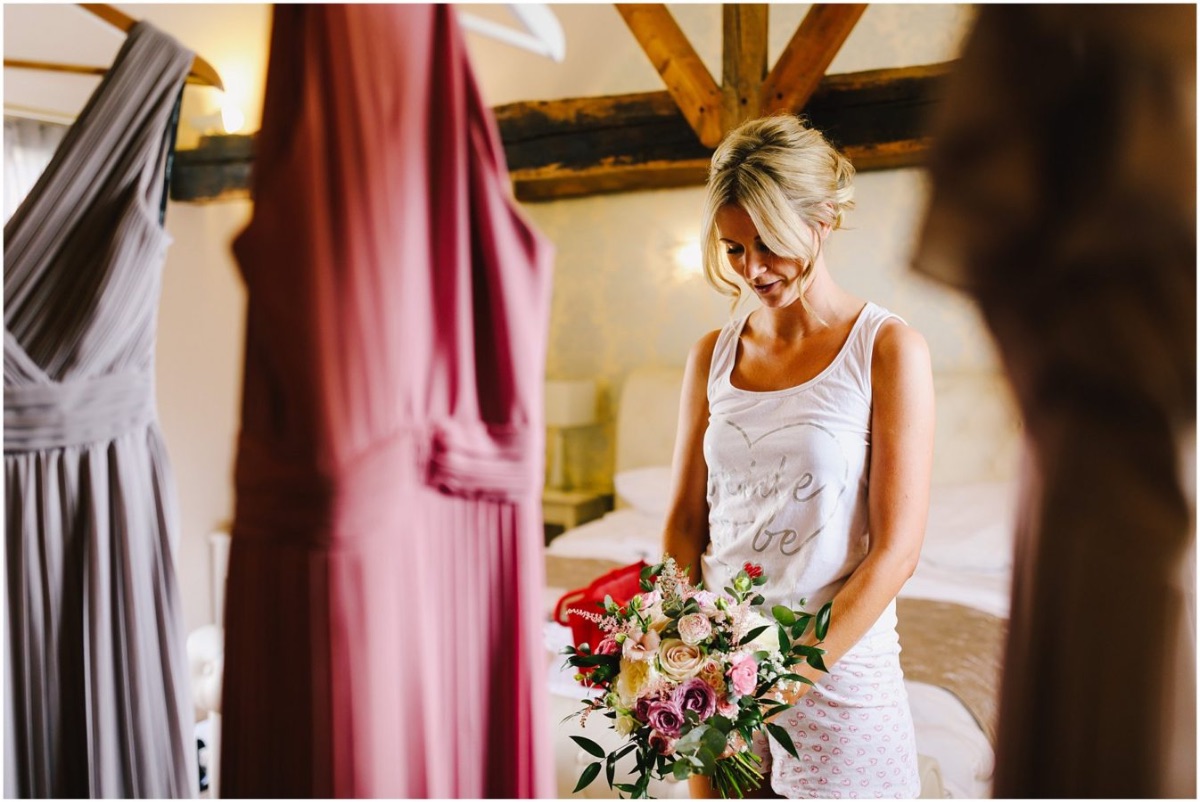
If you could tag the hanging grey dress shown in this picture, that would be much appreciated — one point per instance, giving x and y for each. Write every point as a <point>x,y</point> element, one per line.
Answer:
<point>96,679</point>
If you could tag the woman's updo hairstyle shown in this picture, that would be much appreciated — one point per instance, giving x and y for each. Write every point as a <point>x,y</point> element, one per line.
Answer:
<point>788,179</point>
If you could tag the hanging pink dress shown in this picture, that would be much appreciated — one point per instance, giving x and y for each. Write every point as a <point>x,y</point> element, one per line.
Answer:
<point>384,590</point>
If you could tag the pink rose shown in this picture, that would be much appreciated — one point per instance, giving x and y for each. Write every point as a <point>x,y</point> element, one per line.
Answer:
<point>743,674</point>
<point>608,646</point>
<point>694,628</point>
<point>662,744</point>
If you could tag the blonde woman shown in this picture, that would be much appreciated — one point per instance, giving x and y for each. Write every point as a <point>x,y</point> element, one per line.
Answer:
<point>805,446</point>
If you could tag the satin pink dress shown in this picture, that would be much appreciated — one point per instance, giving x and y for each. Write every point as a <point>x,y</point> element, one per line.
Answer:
<point>384,590</point>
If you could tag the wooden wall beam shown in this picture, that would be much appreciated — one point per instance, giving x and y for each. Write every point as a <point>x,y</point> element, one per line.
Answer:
<point>686,77</point>
<point>811,50</point>
<point>744,61</point>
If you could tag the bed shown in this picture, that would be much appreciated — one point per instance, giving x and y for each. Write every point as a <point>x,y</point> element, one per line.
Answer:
<point>952,612</point>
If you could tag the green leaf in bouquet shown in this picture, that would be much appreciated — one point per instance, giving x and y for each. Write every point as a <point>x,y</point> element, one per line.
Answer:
<point>811,655</point>
<point>758,599</point>
<point>823,620</point>
<point>785,643</point>
<point>797,678</point>
<point>610,771</point>
<point>713,741</point>
<point>610,606</point>
<point>680,770</point>
<point>604,674</point>
<point>785,740</point>
<point>771,707</point>
<point>628,788</point>
<point>586,778</point>
<point>589,746</point>
<point>720,723</point>
<point>589,660</point>
<point>690,741</point>
<point>646,585</point>
<point>783,615</point>
<point>751,635</point>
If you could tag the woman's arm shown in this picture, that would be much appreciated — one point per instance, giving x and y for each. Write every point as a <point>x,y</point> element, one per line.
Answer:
<point>685,536</point>
<point>902,421</point>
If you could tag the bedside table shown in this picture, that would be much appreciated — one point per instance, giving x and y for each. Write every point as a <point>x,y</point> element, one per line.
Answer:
<point>570,508</point>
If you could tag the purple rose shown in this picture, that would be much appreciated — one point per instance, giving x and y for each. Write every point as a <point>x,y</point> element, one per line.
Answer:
<point>666,717</point>
<point>641,710</point>
<point>696,694</point>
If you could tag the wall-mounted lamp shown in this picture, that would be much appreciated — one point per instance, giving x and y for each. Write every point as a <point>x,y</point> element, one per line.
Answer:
<point>688,260</point>
<point>228,119</point>
<point>570,403</point>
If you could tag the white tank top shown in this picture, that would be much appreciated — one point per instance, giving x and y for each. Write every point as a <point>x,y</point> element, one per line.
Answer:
<point>788,472</point>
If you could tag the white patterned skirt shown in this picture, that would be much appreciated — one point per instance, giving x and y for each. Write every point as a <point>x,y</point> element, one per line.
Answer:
<point>853,732</point>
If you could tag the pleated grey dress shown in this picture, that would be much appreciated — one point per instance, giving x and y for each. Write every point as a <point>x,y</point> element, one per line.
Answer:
<point>96,679</point>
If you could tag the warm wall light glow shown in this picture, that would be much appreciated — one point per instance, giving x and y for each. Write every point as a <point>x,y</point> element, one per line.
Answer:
<point>232,118</point>
<point>688,261</point>
<point>240,102</point>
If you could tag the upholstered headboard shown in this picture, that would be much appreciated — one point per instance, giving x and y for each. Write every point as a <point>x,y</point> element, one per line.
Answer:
<point>647,417</point>
<point>977,437</point>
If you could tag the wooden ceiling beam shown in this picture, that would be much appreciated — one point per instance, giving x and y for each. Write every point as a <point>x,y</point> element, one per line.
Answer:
<point>586,146</point>
<point>744,61</point>
<point>687,79</point>
<point>808,55</point>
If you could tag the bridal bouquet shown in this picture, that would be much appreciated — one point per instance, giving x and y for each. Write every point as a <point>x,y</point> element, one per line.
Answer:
<point>689,676</point>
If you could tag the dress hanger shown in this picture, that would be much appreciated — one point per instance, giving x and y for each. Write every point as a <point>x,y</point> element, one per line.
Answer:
<point>543,33</point>
<point>202,72</point>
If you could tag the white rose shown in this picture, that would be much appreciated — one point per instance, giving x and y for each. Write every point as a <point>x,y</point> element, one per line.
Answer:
<point>768,639</point>
<point>679,660</point>
<point>625,724</point>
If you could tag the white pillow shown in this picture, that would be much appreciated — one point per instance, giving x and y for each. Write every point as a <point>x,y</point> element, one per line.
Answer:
<point>647,490</point>
<point>971,526</point>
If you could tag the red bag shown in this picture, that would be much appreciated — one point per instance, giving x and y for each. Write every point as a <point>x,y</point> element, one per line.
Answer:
<point>621,584</point>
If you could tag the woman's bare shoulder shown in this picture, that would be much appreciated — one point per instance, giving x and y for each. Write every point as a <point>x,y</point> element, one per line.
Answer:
<point>900,350</point>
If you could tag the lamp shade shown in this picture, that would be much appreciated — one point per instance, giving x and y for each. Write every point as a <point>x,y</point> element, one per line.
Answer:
<point>570,402</point>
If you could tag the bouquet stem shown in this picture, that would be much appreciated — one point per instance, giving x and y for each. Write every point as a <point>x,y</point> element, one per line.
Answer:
<point>736,775</point>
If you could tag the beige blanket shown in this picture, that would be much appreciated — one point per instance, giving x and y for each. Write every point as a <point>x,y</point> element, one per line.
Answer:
<point>949,645</point>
